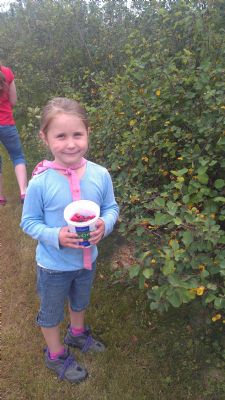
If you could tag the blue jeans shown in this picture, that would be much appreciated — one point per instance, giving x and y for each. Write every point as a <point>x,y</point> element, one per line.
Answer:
<point>9,137</point>
<point>54,287</point>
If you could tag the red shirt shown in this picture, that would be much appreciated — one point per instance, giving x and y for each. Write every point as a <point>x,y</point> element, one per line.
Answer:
<point>6,111</point>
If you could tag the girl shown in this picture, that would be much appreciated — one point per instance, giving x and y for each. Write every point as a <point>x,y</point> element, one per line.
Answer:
<point>65,269</point>
<point>9,136</point>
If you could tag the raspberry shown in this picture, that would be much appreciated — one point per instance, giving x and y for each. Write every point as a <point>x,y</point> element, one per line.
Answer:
<point>81,218</point>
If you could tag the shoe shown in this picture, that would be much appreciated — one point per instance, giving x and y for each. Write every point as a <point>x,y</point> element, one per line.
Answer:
<point>66,367</point>
<point>22,197</point>
<point>3,201</point>
<point>85,342</point>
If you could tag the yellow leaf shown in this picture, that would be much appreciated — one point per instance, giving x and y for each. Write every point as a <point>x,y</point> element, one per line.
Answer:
<point>132,122</point>
<point>180,179</point>
<point>200,290</point>
<point>216,317</point>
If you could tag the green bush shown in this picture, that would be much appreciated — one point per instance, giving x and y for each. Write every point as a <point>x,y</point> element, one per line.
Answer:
<point>160,129</point>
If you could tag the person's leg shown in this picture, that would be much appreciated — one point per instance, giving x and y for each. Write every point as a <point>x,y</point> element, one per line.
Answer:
<point>78,335</point>
<point>11,140</point>
<point>3,200</point>
<point>77,319</point>
<point>79,296</point>
<point>21,176</point>
<point>52,338</point>
<point>2,197</point>
<point>53,288</point>
<point>1,186</point>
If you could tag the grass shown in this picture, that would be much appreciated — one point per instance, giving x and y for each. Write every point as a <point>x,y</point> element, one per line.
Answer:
<point>148,357</point>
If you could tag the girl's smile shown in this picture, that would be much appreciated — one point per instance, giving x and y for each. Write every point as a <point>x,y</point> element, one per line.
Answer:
<point>67,139</point>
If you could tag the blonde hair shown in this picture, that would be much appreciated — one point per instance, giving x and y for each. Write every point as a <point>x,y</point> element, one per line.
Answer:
<point>61,105</point>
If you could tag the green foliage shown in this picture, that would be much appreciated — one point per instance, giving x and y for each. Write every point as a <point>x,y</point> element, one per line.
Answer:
<point>160,127</point>
<point>55,47</point>
<point>152,78</point>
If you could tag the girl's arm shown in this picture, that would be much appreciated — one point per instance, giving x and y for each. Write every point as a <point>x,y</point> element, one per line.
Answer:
<point>33,222</point>
<point>12,94</point>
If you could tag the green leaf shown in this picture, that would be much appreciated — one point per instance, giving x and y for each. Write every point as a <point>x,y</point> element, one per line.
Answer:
<point>148,272</point>
<point>141,281</point>
<point>187,238</point>
<point>177,221</point>
<point>162,219</point>
<point>145,255</point>
<point>175,299</point>
<point>221,141</point>
<point>210,298</point>
<point>159,202</point>
<point>204,274</point>
<point>140,230</point>
<point>154,305</point>
<point>186,198</point>
<point>168,268</point>
<point>180,172</point>
<point>172,208</point>
<point>203,178</point>
<point>174,244</point>
<point>174,280</point>
<point>219,303</point>
<point>134,270</point>
<point>219,183</point>
<point>211,286</point>
<point>202,170</point>
<point>219,199</point>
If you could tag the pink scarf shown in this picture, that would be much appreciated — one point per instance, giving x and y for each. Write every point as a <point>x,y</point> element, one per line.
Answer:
<point>74,183</point>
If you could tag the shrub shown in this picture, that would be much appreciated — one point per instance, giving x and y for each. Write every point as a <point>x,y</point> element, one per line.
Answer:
<point>160,129</point>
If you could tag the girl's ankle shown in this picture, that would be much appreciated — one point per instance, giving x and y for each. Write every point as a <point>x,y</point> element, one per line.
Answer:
<point>55,355</point>
<point>76,331</point>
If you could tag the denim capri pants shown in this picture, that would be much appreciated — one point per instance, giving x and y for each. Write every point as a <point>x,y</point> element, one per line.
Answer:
<point>55,287</point>
<point>9,137</point>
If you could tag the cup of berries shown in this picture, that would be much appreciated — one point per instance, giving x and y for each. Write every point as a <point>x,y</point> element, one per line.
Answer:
<point>81,216</point>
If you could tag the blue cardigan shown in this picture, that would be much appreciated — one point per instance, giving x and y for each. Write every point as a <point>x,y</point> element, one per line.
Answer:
<point>47,195</point>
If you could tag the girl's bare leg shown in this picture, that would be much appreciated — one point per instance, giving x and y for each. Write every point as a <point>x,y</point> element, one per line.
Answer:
<point>21,176</point>
<point>77,318</point>
<point>52,338</point>
<point>1,185</point>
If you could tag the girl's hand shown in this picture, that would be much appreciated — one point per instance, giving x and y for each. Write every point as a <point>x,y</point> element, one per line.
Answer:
<point>69,239</point>
<point>98,234</point>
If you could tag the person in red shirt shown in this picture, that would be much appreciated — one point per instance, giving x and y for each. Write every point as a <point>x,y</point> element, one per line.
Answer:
<point>9,135</point>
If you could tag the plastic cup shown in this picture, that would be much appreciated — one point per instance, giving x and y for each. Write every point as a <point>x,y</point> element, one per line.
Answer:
<point>85,208</point>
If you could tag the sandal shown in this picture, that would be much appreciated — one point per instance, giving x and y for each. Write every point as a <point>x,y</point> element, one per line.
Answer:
<point>85,342</point>
<point>3,201</point>
<point>22,197</point>
<point>66,367</point>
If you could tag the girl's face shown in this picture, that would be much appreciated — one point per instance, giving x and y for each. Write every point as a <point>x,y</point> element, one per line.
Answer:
<point>67,139</point>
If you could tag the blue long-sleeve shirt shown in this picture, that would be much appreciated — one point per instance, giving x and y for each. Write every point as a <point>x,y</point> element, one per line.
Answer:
<point>47,195</point>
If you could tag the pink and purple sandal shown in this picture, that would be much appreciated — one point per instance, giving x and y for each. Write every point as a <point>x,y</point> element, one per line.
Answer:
<point>3,201</point>
<point>22,197</point>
